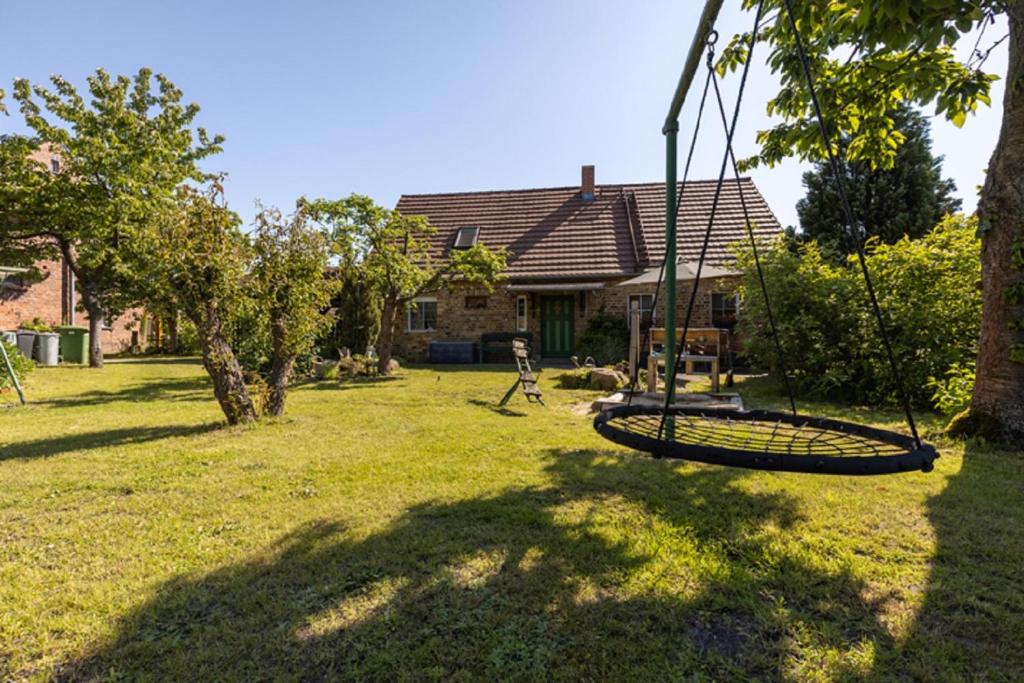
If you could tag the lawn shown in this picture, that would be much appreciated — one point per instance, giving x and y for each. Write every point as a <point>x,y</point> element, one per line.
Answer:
<point>406,529</point>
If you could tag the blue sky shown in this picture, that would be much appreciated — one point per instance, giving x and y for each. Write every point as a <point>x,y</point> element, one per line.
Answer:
<point>385,97</point>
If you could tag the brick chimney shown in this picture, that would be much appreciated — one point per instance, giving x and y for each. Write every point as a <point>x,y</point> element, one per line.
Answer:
<point>587,183</point>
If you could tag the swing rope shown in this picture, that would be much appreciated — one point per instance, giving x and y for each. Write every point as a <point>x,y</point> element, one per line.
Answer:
<point>648,323</point>
<point>851,223</point>
<point>670,383</point>
<point>781,356</point>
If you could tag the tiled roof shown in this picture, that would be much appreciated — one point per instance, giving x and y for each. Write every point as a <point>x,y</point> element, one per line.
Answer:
<point>553,233</point>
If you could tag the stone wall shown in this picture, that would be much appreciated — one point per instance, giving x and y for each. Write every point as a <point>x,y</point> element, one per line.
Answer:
<point>456,322</point>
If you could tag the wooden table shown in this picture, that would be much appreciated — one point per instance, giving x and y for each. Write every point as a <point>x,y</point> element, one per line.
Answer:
<point>655,360</point>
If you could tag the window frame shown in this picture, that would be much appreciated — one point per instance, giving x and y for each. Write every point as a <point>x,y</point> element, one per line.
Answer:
<point>735,308</point>
<point>629,308</point>
<point>414,306</point>
<point>524,300</point>
<point>465,228</point>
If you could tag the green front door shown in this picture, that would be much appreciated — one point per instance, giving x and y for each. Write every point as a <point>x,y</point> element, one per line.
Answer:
<point>558,326</point>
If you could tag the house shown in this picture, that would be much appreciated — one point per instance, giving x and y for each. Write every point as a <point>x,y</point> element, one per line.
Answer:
<point>570,248</point>
<point>53,298</point>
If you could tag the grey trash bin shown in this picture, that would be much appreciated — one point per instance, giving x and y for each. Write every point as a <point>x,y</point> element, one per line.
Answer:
<point>48,348</point>
<point>10,337</point>
<point>26,342</point>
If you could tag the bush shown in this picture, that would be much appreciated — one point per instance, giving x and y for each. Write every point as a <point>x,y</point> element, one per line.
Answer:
<point>928,292</point>
<point>578,378</point>
<point>606,339</point>
<point>37,325</point>
<point>953,393</point>
<point>22,366</point>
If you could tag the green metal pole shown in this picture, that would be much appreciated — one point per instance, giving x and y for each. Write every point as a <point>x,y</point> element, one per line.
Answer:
<point>671,154</point>
<point>705,26</point>
<point>10,371</point>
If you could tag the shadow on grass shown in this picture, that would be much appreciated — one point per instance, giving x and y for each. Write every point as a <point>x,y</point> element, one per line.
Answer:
<point>971,624</point>
<point>128,359</point>
<point>619,568</point>
<point>44,448</point>
<point>163,389</point>
<point>348,384</point>
<point>493,406</point>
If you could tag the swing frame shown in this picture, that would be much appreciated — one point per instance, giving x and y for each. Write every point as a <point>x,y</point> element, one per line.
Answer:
<point>834,446</point>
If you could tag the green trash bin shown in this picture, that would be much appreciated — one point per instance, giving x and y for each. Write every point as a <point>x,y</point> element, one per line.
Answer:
<point>74,343</point>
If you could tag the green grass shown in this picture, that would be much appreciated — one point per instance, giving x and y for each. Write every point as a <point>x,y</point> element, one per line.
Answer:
<point>407,529</point>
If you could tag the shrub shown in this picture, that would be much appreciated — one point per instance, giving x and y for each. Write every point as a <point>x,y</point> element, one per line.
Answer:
<point>578,378</point>
<point>37,325</point>
<point>953,393</point>
<point>22,366</point>
<point>927,289</point>
<point>606,338</point>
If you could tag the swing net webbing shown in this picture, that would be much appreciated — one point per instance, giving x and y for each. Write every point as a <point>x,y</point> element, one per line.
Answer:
<point>764,439</point>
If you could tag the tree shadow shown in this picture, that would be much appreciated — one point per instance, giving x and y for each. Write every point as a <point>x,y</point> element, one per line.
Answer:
<point>492,406</point>
<point>973,610</point>
<point>349,383</point>
<point>44,448</point>
<point>619,568</point>
<point>164,389</point>
<point>152,359</point>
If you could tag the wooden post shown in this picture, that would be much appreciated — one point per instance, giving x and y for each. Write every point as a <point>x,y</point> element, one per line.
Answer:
<point>634,339</point>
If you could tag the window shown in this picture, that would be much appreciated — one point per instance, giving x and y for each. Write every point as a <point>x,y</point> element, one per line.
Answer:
<point>522,306</point>
<point>55,164</point>
<point>423,315</point>
<point>645,303</point>
<point>12,279</point>
<point>723,310</point>
<point>475,302</point>
<point>466,237</point>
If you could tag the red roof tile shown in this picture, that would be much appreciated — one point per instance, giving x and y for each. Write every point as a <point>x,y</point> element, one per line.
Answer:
<point>553,233</point>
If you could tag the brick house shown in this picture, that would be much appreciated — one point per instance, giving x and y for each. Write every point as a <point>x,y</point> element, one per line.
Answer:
<point>53,298</point>
<point>570,248</point>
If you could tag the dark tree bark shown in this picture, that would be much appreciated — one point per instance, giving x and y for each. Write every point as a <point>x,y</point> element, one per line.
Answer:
<point>95,311</point>
<point>90,301</point>
<point>172,332</point>
<point>224,369</point>
<point>280,371</point>
<point>386,339</point>
<point>997,405</point>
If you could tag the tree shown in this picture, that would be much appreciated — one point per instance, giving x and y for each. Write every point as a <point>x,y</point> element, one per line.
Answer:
<point>357,316</point>
<point>907,199</point>
<point>121,157</point>
<point>870,59</point>
<point>198,263</point>
<point>393,253</point>
<point>293,289</point>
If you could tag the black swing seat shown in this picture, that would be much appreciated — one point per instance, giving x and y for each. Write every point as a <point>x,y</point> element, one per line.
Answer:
<point>764,440</point>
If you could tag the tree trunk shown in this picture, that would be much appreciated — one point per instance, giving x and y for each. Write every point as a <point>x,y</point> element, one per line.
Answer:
<point>90,301</point>
<point>225,371</point>
<point>280,371</point>
<point>172,332</point>
<point>386,338</point>
<point>997,406</point>
<point>92,306</point>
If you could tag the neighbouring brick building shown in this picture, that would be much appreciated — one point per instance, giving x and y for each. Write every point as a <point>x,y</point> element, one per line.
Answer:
<point>53,297</point>
<point>570,250</point>
<point>54,300</point>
